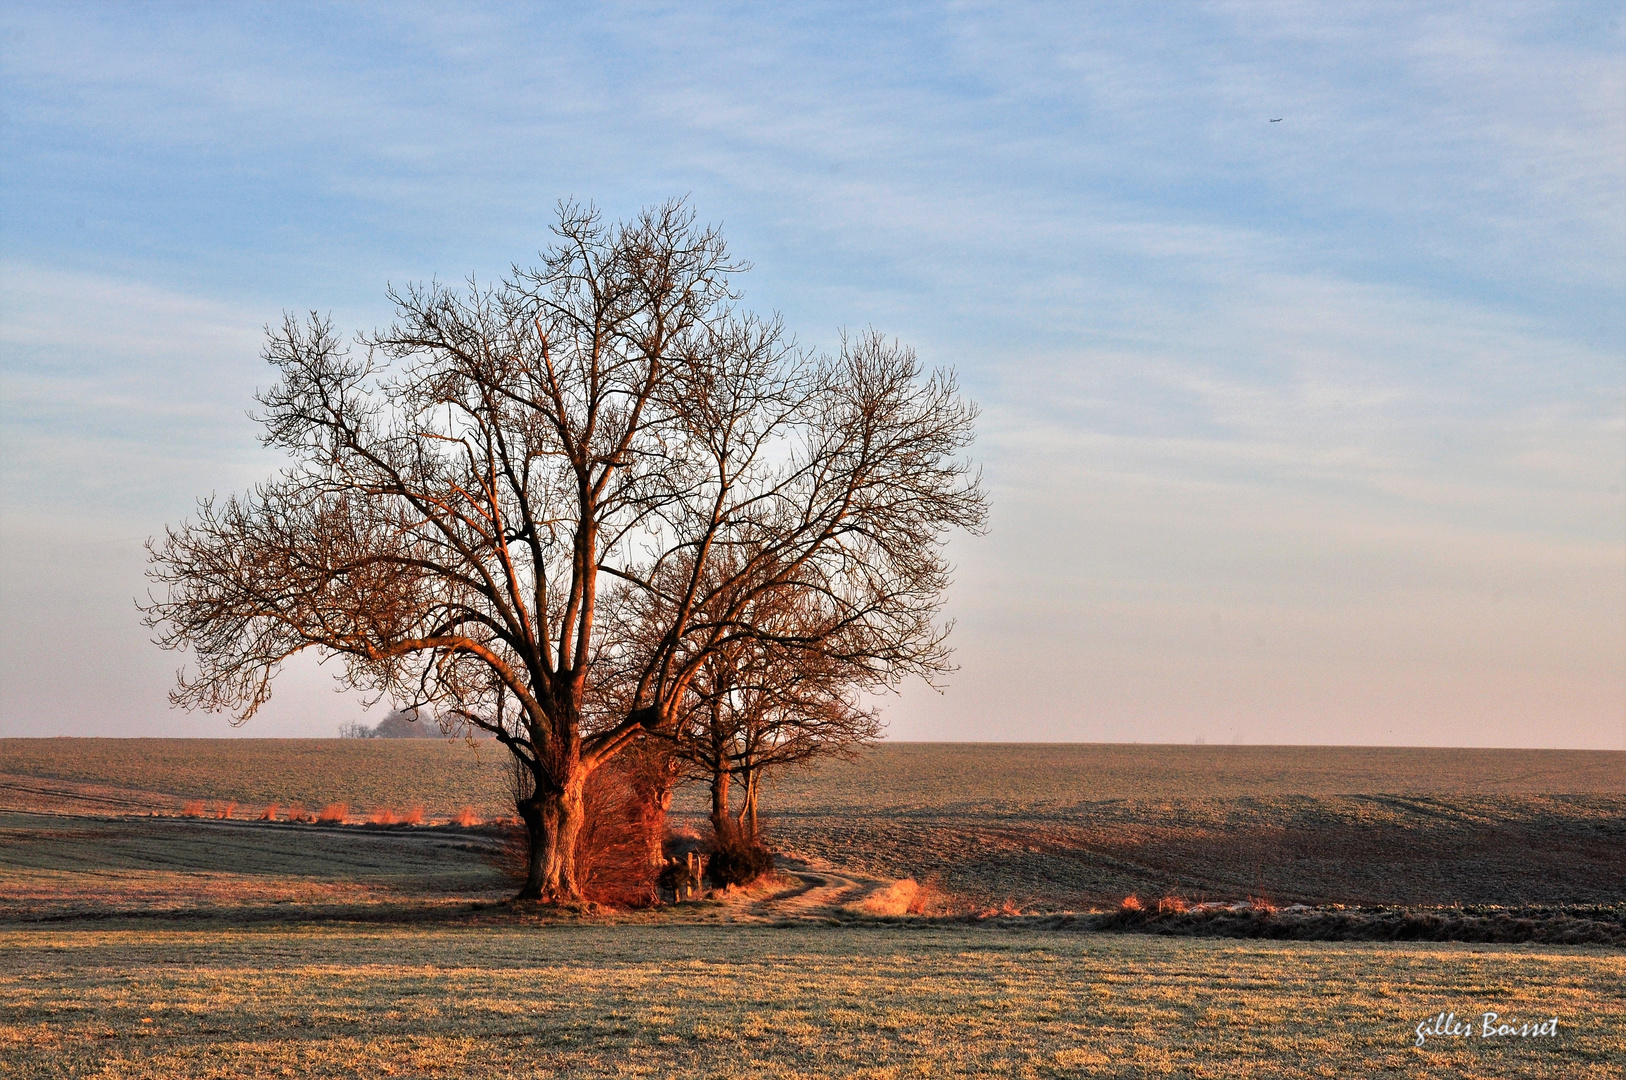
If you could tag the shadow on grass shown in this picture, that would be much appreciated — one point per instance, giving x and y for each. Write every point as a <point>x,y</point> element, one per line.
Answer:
<point>1603,924</point>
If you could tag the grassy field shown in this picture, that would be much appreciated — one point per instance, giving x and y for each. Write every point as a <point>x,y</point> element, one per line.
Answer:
<point>592,1000</point>
<point>1047,827</point>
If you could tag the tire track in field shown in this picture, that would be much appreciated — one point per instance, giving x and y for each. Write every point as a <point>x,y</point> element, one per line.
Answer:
<point>821,894</point>
<point>39,794</point>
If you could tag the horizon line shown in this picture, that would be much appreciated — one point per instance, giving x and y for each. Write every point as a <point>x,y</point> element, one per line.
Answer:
<point>878,743</point>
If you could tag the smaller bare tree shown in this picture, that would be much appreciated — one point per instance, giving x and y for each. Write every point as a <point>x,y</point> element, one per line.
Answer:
<point>760,708</point>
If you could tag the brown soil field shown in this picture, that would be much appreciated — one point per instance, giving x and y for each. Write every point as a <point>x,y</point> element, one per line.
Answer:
<point>1013,776</point>
<point>1068,827</point>
<point>1369,849</point>
<point>128,776</point>
<point>444,775</point>
<point>60,868</point>
<point>1049,828</point>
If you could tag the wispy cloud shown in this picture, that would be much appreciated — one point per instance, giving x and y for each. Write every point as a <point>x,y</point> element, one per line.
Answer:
<point>1341,378</point>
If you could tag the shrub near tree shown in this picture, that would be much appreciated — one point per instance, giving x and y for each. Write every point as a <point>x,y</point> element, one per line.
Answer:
<point>541,506</point>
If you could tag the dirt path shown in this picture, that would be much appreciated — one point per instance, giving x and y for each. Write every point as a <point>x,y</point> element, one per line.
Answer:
<point>821,893</point>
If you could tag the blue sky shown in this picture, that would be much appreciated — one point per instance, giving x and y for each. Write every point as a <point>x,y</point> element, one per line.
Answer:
<point>1310,431</point>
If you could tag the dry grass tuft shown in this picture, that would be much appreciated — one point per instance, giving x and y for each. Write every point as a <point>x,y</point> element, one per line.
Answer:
<point>270,812</point>
<point>333,813</point>
<point>927,900</point>
<point>192,809</point>
<point>413,816</point>
<point>905,897</point>
<point>383,816</point>
<point>466,818</point>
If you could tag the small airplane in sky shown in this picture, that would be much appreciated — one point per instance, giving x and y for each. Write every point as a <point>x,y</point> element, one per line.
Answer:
<point>1277,120</point>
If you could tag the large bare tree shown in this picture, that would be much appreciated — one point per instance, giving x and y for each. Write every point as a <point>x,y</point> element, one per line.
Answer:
<point>607,434</point>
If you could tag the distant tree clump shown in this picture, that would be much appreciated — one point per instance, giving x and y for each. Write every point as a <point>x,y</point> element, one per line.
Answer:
<point>562,508</point>
<point>398,724</point>
<point>407,724</point>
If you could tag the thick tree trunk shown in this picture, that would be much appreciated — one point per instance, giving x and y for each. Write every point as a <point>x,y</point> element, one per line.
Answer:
<point>552,821</point>
<point>719,801</point>
<point>657,833</point>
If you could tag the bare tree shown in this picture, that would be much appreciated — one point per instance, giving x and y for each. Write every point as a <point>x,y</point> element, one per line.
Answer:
<point>605,434</point>
<point>757,706</point>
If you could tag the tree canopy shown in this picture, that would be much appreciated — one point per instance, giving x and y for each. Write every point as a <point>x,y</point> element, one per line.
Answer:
<point>544,506</point>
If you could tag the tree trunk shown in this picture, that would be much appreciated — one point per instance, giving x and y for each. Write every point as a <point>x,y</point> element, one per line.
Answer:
<point>748,807</point>
<point>719,802</point>
<point>657,833</point>
<point>552,821</point>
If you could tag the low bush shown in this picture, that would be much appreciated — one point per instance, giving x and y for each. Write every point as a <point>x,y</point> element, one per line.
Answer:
<point>621,834</point>
<point>738,856</point>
